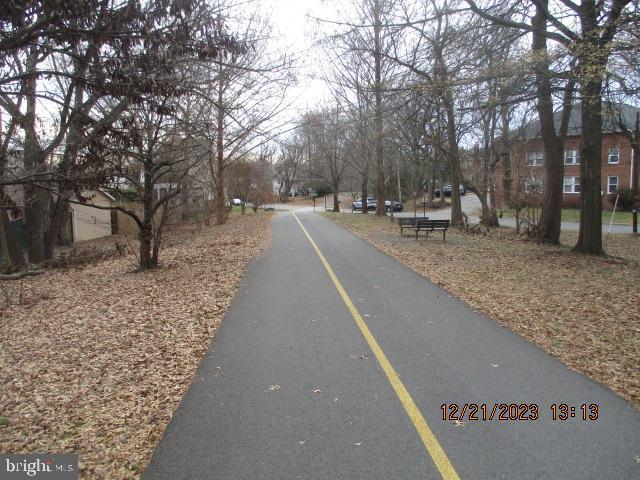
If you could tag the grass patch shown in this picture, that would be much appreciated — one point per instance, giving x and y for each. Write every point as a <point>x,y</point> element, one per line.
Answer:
<point>573,215</point>
<point>582,309</point>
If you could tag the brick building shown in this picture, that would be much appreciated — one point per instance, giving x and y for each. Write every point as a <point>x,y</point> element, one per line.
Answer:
<point>527,158</point>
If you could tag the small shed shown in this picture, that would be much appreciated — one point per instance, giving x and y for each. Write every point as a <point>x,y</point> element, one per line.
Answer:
<point>88,222</point>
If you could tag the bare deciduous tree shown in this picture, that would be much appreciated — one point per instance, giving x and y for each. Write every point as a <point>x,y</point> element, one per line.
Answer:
<point>587,32</point>
<point>288,164</point>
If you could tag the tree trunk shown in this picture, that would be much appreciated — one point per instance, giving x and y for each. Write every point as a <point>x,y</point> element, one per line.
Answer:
<point>592,63</point>
<point>36,198</point>
<point>488,216</point>
<point>69,159</point>
<point>145,235</point>
<point>157,235</point>
<point>365,187</point>
<point>506,157</point>
<point>220,210</point>
<point>34,215</point>
<point>590,234</point>
<point>549,224</point>
<point>431,185</point>
<point>549,228</point>
<point>454,162</point>
<point>14,260</point>
<point>399,186</point>
<point>145,238</point>
<point>635,158</point>
<point>493,221</point>
<point>280,192</point>
<point>336,202</point>
<point>288,182</point>
<point>452,140</point>
<point>57,221</point>
<point>377,54</point>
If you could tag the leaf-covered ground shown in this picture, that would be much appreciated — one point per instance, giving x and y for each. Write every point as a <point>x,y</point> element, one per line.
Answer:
<point>582,309</point>
<point>95,358</point>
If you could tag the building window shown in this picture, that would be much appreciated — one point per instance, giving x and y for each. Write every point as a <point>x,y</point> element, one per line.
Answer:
<point>572,157</point>
<point>612,184</point>
<point>614,155</point>
<point>533,185</point>
<point>534,159</point>
<point>571,184</point>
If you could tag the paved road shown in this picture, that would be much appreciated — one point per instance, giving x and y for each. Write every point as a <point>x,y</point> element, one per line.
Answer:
<point>292,389</point>
<point>470,205</point>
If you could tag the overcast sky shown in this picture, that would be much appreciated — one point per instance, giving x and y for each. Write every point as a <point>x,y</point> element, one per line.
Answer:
<point>298,33</point>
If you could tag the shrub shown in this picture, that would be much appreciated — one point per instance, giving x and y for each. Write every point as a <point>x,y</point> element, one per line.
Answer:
<point>571,201</point>
<point>323,189</point>
<point>320,187</point>
<point>625,201</point>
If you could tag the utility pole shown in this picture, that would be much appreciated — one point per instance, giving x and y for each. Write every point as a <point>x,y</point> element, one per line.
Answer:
<point>399,186</point>
<point>634,171</point>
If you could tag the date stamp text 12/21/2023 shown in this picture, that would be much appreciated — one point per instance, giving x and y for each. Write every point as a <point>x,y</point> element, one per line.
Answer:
<point>518,411</point>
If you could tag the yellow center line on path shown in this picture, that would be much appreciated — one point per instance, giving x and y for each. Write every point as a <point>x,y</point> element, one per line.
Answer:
<point>428,438</point>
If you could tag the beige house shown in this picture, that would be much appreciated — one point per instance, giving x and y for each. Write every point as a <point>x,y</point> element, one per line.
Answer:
<point>88,222</point>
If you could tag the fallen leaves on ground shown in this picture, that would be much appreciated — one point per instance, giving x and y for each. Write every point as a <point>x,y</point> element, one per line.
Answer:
<point>96,358</point>
<point>582,309</point>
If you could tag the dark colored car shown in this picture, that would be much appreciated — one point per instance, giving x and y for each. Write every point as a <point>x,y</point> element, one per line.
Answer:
<point>447,191</point>
<point>397,206</point>
<point>357,205</point>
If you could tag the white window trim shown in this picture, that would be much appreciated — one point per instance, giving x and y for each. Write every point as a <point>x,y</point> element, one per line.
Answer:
<point>617,177</point>
<point>575,181</point>
<point>617,156</point>
<point>539,157</point>
<point>575,157</point>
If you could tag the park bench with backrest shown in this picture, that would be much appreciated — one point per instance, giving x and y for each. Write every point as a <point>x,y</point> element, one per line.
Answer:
<point>408,222</point>
<point>430,226</point>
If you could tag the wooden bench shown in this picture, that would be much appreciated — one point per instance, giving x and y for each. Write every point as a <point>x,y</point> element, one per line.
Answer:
<point>430,226</point>
<point>409,222</point>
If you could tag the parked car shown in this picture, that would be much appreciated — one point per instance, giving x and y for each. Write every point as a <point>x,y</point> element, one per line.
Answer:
<point>397,206</point>
<point>236,202</point>
<point>357,205</point>
<point>447,191</point>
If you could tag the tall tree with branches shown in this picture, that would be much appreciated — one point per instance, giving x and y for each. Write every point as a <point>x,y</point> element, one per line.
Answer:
<point>586,31</point>
<point>365,37</point>
<point>242,94</point>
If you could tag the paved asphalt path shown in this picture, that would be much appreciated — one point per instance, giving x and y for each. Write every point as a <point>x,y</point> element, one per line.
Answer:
<point>291,389</point>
